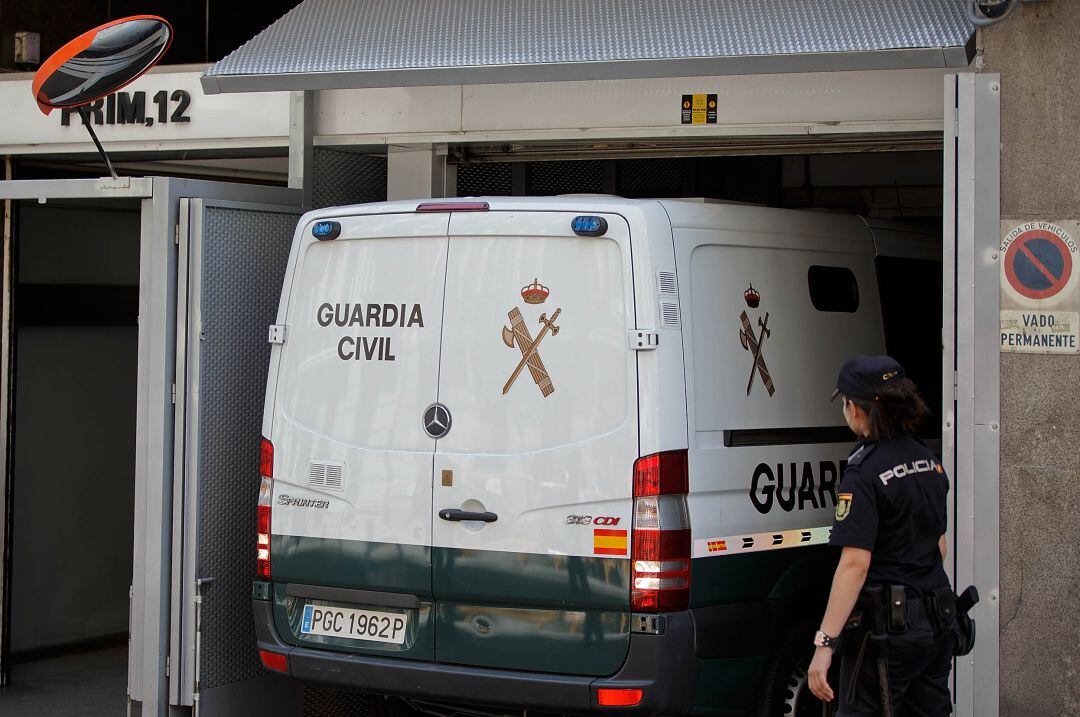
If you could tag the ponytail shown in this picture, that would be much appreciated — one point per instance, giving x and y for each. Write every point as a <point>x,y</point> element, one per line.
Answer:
<point>897,411</point>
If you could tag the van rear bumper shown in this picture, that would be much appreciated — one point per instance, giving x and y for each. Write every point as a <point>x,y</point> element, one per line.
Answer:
<point>663,666</point>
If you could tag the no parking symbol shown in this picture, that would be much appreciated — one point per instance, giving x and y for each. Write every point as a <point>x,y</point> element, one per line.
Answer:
<point>1039,298</point>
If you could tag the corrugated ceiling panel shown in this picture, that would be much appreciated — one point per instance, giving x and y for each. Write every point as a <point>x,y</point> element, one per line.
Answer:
<point>415,42</point>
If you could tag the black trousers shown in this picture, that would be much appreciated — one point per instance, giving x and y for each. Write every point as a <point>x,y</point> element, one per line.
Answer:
<point>918,671</point>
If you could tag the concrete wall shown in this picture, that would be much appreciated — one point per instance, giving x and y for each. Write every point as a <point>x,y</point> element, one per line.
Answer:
<point>1034,51</point>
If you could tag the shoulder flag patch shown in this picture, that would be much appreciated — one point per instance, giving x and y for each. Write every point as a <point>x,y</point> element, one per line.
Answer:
<point>843,506</point>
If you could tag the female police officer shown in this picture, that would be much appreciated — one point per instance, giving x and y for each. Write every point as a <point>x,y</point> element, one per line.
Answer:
<point>890,521</point>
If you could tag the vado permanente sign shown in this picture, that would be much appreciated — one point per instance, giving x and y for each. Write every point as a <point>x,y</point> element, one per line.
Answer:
<point>1040,302</point>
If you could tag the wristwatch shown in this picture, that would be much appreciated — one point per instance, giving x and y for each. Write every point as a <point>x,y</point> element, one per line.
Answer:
<point>823,640</point>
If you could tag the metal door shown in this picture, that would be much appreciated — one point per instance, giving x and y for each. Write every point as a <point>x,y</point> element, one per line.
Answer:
<point>231,264</point>
<point>541,385</point>
<point>352,381</point>
<point>971,379</point>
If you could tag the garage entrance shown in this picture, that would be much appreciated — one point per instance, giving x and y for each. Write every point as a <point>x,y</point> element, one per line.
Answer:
<point>73,474</point>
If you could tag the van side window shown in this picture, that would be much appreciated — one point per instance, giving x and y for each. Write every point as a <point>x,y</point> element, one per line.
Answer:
<point>833,288</point>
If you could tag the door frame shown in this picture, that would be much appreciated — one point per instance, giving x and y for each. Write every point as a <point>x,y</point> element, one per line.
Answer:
<point>971,377</point>
<point>11,191</point>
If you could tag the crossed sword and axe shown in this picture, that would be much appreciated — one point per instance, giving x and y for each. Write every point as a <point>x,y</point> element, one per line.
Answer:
<point>752,344</point>
<point>518,334</point>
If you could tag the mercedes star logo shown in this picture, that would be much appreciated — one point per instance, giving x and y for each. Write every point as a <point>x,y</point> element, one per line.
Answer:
<point>436,420</point>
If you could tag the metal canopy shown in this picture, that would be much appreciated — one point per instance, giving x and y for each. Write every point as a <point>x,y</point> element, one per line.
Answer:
<point>341,44</point>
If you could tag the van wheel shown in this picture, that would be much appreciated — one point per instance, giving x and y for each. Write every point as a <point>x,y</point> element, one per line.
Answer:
<point>786,690</point>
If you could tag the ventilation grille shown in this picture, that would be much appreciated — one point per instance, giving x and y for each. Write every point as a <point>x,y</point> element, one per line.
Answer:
<point>326,476</point>
<point>669,315</point>
<point>485,180</point>
<point>665,282</point>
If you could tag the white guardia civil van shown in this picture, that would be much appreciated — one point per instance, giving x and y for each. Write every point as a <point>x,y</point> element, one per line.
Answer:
<point>568,455</point>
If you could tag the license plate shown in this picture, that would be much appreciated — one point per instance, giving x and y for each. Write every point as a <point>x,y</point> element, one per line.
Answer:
<point>354,624</point>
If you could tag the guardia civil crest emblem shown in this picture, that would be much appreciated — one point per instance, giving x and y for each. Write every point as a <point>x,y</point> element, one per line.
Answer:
<point>518,335</point>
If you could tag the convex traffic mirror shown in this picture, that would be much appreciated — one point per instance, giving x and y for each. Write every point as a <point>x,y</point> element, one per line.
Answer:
<point>101,61</point>
<point>98,63</point>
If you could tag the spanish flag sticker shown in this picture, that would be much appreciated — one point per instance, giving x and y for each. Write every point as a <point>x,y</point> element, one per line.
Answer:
<point>609,542</point>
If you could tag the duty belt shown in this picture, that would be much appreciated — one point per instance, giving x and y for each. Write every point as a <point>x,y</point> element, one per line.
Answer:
<point>888,606</point>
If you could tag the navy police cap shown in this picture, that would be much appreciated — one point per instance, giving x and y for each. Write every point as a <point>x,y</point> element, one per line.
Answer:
<point>865,376</point>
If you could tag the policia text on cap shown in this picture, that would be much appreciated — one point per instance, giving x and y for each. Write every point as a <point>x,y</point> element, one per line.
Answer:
<point>890,595</point>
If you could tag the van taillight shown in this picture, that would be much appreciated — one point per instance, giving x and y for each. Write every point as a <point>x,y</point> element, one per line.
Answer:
<point>266,494</point>
<point>661,533</point>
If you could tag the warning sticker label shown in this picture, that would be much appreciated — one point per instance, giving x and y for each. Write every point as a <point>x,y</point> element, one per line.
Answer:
<point>1040,303</point>
<point>699,109</point>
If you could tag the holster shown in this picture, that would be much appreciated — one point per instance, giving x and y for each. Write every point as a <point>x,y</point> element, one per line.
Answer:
<point>964,626</point>
<point>964,631</point>
<point>949,615</point>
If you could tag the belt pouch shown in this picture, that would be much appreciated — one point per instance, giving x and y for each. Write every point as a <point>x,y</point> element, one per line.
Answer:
<point>897,611</point>
<point>874,596</point>
<point>941,604</point>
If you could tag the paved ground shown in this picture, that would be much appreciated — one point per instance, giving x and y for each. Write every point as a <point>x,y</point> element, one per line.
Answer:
<point>88,684</point>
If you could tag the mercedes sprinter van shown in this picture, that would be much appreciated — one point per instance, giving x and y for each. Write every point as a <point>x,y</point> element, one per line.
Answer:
<point>569,454</point>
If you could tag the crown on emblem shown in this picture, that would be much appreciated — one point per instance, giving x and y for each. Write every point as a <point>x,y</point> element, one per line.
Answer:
<point>753,298</point>
<point>534,293</point>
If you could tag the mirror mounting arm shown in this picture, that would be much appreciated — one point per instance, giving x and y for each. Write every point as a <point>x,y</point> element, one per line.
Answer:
<point>93,135</point>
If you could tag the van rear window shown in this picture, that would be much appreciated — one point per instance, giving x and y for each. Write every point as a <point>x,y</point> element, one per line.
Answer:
<point>833,288</point>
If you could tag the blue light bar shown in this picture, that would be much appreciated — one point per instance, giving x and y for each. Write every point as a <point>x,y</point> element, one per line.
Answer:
<point>587,226</point>
<point>325,231</point>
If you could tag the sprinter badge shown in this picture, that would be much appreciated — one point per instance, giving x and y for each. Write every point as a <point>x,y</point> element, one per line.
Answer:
<point>754,344</point>
<point>518,334</point>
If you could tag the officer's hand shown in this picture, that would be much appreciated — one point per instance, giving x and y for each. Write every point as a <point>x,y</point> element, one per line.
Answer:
<point>819,672</point>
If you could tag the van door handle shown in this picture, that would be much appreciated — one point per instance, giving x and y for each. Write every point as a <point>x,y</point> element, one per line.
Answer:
<point>456,515</point>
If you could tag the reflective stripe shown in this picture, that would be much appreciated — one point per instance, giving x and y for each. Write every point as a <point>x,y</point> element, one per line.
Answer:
<point>756,542</point>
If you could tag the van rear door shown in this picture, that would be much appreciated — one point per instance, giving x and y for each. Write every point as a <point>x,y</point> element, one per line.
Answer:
<point>533,481</point>
<point>352,484</point>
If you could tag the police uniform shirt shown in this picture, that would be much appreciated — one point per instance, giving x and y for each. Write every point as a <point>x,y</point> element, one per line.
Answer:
<point>892,502</point>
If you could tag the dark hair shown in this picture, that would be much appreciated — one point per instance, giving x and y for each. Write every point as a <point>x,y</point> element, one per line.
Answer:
<point>897,411</point>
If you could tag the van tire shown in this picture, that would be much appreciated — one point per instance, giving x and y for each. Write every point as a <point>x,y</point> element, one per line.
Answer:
<point>784,689</point>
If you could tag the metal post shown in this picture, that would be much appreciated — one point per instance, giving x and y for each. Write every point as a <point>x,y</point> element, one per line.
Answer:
<point>971,373</point>
<point>419,171</point>
<point>6,374</point>
<point>93,135</point>
<point>301,145</point>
